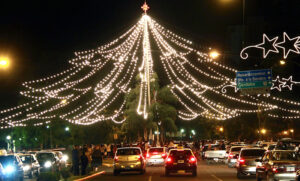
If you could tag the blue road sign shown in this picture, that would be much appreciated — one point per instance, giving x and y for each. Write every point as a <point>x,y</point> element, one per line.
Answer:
<point>254,79</point>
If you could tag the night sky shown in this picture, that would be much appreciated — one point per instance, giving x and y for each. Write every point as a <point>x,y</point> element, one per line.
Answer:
<point>40,37</point>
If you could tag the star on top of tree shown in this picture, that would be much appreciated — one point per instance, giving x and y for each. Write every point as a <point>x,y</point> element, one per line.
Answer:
<point>145,7</point>
<point>268,45</point>
<point>289,45</point>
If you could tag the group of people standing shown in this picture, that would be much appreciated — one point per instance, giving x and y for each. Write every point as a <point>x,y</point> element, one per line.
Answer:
<point>90,156</point>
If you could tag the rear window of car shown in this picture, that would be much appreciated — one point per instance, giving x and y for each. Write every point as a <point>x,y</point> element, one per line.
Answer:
<point>151,150</point>
<point>285,156</point>
<point>128,152</point>
<point>253,152</point>
<point>235,149</point>
<point>176,153</point>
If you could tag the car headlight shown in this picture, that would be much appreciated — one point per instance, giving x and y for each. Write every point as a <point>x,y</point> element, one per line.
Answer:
<point>26,167</point>
<point>47,164</point>
<point>65,158</point>
<point>9,169</point>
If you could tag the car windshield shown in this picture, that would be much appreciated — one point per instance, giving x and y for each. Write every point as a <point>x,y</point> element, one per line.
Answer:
<point>252,152</point>
<point>25,158</point>
<point>236,149</point>
<point>177,153</point>
<point>128,152</point>
<point>151,150</point>
<point>45,156</point>
<point>6,160</point>
<point>285,156</point>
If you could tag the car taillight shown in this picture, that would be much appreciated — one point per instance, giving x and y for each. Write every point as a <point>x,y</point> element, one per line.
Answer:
<point>230,155</point>
<point>242,161</point>
<point>163,155</point>
<point>116,158</point>
<point>147,155</point>
<point>169,160</point>
<point>276,169</point>
<point>192,159</point>
<point>140,157</point>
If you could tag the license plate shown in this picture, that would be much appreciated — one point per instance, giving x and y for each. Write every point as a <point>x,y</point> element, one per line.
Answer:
<point>290,169</point>
<point>180,161</point>
<point>181,171</point>
<point>252,169</point>
<point>216,159</point>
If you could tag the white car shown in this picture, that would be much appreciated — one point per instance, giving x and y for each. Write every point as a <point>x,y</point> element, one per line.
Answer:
<point>156,156</point>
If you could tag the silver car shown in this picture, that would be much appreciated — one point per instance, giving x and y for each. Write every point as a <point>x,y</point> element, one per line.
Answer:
<point>278,165</point>
<point>129,159</point>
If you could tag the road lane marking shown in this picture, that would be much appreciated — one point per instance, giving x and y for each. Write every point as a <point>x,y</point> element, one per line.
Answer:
<point>216,177</point>
<point>150,178</point>
<point>91,176</point>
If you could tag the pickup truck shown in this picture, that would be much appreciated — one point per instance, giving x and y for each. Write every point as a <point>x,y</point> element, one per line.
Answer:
<point>215,155</point>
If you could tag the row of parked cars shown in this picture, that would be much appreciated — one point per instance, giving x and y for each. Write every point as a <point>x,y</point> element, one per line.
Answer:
<point>30,164</point>
<point>175,160</point>
<point>270,161</point>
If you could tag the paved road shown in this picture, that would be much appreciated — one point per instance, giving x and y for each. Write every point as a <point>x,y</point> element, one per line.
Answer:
<point>205,173</point>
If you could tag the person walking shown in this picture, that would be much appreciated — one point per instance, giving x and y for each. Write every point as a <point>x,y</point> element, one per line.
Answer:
<point>84,162</point>
<point>96,158</point>
<point>75,160</point>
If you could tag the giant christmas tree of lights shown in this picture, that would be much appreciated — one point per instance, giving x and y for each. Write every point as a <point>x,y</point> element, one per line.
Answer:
<point>99,79</point>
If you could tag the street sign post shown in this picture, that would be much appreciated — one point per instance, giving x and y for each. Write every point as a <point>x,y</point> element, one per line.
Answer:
<point>254,81</point>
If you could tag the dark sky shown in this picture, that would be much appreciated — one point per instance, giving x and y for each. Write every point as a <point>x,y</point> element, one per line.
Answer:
<point>40,37</point>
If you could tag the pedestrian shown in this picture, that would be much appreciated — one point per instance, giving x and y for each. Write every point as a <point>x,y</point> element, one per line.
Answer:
<point>84,162</point>
<point>96,158</point>
<point>75,160</point>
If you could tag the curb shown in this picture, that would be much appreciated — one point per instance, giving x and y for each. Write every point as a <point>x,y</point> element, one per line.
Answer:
<point>91,176</point>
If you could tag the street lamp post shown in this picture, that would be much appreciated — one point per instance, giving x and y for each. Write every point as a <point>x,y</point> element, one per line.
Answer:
<point>8,139</point>
<point>182,131</point>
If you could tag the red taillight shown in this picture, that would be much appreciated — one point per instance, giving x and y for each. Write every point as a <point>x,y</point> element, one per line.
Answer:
<point>230,155</point>
<point>116,158</point>
<point>147,155</point>
<point>163,155</point>
<point>192,159</point>
<point>241,161</point>
<point>274,169</point>
<point>140,157</point>
<point>169,160</point>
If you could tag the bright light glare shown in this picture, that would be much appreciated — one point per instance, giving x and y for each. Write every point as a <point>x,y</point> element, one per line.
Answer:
<point>8,137</point>
<point>65,158</point>
<point>4,62</point>
<point>47,164</point>
<point>263,131</point>
<point>221,129</point>
<point>9,169</point>
<point>26,168</point>
<point>214,54</point>
<point>282,62</point>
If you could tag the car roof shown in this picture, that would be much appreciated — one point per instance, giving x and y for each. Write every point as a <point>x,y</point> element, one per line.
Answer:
<point>129,148</point>
<point>176,149</point>
<point>252,148</point>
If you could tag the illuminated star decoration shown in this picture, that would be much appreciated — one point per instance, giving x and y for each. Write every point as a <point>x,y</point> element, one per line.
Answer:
<point>277,84</point>
<point>268,45</point>
<point>145,7</point>
<point>271,45</point>
<point>289,45</point>
<point>95,86</point>
<point>289,83</point>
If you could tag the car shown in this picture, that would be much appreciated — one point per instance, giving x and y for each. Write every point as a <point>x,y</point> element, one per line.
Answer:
<point>246,164</point>
<point>48,161</point>
<point>278,165</point>
<point>129,159</point>
<point>206,148</point>
<point>265,145</point>
<point>156,156</point>
<point>31,166</point>
<point>181,161</point>
<point>233,155</point>
<point>12,167</point>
